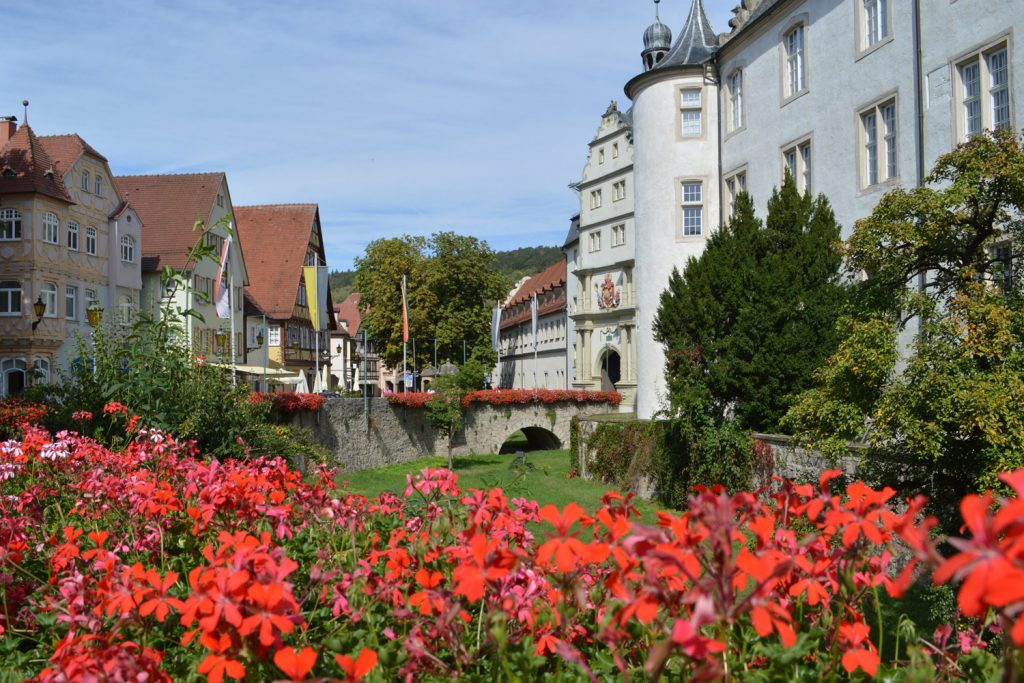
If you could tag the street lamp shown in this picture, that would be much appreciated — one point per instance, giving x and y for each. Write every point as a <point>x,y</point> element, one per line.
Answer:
<point>220,337</point>
<point>94,313</point>
<point>39,308</point>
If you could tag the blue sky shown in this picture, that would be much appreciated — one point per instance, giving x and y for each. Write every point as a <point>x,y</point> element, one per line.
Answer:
<point>401,116</point>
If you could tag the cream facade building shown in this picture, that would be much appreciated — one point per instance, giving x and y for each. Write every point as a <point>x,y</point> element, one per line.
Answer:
<point>601,294</point>
<point>169,206</point>
<point>66,241</point>
<point>853,97</point>
<point>520,365</point>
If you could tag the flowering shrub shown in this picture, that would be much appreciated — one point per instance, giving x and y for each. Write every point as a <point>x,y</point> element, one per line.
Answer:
<point>161,565</point>
<point>288,401</point>
<point>17,413</point>
<point>507,397</point>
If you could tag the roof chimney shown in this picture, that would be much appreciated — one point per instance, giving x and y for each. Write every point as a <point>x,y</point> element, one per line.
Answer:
<point>8,127</point>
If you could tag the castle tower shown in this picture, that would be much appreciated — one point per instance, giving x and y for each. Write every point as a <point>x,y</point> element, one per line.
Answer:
<point>675,138</point>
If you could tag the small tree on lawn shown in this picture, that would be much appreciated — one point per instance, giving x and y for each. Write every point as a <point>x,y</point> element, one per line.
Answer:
<point>444,410</point>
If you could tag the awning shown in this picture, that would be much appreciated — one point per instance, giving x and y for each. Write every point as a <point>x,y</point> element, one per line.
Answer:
<point>258,370</point>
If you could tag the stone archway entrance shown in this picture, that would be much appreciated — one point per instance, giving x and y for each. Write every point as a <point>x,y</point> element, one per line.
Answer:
<point>611,369</point>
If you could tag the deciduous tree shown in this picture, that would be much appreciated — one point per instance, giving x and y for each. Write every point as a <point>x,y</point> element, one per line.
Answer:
<point>940,262</point>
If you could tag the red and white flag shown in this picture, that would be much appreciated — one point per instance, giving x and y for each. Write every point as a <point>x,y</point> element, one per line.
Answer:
<point>221,296</point>
<point>405,313</point>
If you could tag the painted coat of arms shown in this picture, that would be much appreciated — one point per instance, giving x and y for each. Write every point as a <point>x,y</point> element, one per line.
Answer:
<point>608,295</point>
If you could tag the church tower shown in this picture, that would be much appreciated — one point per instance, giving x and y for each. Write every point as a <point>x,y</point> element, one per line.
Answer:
<point>675,138</point>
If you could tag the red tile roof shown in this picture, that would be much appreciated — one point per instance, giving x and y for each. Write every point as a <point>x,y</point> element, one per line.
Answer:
<point>348,312</point>
<point>65,149</point>
<point>276,238</point>
<point>25,166</point>
<point>168,206</point>
<point>545,281</point>
<point>517,309</point>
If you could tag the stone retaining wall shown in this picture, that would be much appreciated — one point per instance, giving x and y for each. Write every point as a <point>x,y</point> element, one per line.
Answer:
<point>788,461</point>
<point>388,434</point>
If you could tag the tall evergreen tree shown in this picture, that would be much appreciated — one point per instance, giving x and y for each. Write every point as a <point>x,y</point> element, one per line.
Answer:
<point>748,322</point>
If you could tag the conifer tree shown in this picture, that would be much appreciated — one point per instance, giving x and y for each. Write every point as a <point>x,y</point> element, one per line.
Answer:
<point>747,323</point>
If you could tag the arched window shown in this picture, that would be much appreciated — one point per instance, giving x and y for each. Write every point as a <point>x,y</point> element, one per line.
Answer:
<point>49,293</point>
<point>41,371</point>
<point>90,241</point>
<point>51,227</point>
<point>72,235</point>
<point>125,308</point>
<point>10,297</point>
<point>12,376</point>
<point>10,224</point>
<point>127,248</point>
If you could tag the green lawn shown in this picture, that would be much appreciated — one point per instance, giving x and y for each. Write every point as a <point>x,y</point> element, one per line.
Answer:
<point>542,479</point>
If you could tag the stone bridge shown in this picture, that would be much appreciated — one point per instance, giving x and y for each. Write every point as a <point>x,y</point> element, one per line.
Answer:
<point>375,433</point>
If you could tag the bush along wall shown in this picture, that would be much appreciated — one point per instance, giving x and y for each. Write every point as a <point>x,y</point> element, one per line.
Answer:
<point>663,459</point>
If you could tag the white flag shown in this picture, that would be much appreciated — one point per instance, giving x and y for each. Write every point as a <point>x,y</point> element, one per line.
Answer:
<point>496,328</point>
<point>533,313</point>
<point>221,290</point>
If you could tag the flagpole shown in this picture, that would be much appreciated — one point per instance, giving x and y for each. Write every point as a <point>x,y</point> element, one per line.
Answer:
<point>405,337</point>
<point>535,316</point>
<point>266,352</point>
<point>231,305</point>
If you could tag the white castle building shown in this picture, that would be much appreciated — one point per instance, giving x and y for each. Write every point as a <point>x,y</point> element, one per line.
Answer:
<point>599,259</point>
<point>854,97</point>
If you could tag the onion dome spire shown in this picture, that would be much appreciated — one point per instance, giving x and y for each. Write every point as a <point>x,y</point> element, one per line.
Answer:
<point>657,41</point>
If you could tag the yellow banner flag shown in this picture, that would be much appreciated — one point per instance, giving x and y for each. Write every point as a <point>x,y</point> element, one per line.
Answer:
<point>315,278</point>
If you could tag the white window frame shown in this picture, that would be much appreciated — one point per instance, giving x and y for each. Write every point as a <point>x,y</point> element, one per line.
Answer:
<point>89,297</point>
<point>797,158</point>
<point>11,294</point>
<point>600,155</point>
<point>48,293</point>
<point>690,108</point>
<point>594,241</point>
<point>41,371</point>
<point>125,309</point>
<point>794,58</point>
<point>878,143</point>
<point>595,199</point>
<point>10,225</point>
<point>85,180</point>
<point>733,184</point>
<point>735,93</point>
<point>73,235</point>
<point>90,241</point>
<point>98,185</point>
<point>127,249</point>
<point>618,190</point>
<point>874,24</point>
<point>51,228</point>
<point>979,97</point>
<point>71,302</point>
<point>618,235</point>
<point>615,150</point>
<point>688,201</point>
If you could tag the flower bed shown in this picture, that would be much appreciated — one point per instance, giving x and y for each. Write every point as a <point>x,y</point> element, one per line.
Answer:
<point>289,401</point>
<point>152,563</point>
<point>508,397</point>
<point>16,413</point>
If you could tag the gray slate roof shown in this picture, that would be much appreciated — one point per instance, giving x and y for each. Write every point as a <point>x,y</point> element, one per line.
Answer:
<point>696,44</point>
<point>574,232</point>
